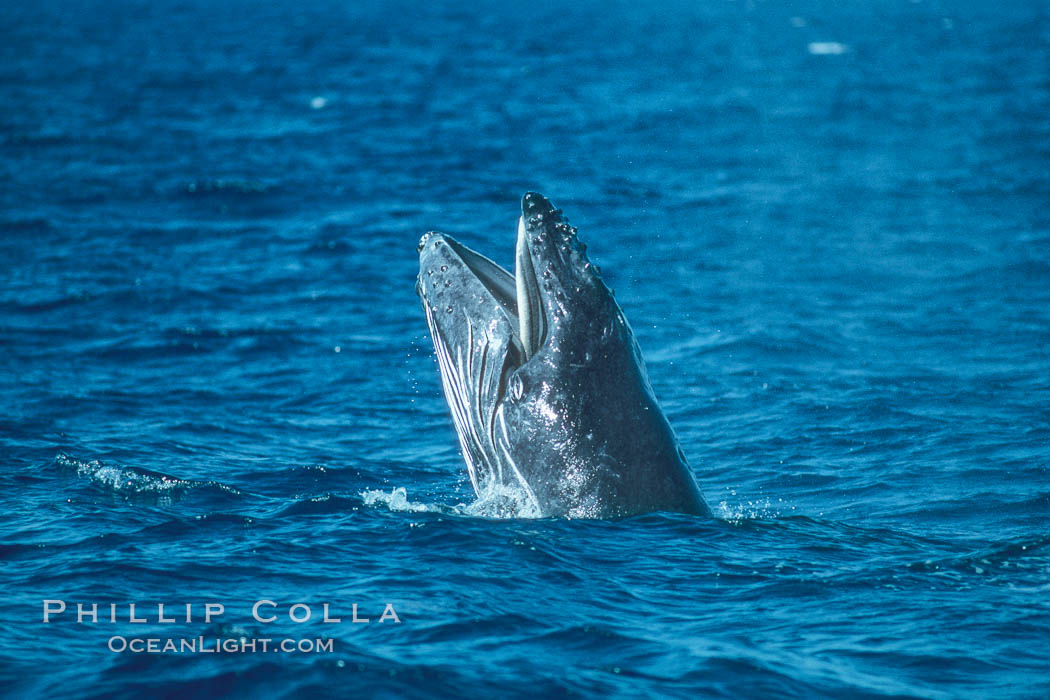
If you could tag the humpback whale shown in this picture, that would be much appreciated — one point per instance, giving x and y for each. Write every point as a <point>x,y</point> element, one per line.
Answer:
<point>544,379</point>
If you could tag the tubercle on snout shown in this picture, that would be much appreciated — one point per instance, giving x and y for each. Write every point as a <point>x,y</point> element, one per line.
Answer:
<point>571,253</point>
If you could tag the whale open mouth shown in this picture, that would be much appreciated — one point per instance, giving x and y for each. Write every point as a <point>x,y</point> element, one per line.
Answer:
<point>483,290</point>
<point>517,296</point>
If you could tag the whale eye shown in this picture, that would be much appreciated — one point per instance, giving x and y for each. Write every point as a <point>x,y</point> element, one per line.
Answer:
<point>516,387</point>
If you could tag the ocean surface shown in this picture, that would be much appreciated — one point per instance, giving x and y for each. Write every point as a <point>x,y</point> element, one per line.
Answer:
<point>828,223</point>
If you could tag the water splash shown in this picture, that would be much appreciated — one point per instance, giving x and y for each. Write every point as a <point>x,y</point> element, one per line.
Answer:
<point>497,501</point>
<point>736,513</point>
<point>502,502</point>
<point>397,501</point>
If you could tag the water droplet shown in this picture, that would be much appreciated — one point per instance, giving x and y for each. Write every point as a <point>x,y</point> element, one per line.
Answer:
<point>448,283</point>
<point>444,268</point>
<point>449,309</point>
<point>517,387</point>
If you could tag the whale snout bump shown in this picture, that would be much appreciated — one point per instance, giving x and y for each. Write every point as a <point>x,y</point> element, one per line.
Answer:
<point>544,379</point>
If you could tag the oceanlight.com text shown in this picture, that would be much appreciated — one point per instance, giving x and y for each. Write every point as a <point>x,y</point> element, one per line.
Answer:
<point>218,645</point>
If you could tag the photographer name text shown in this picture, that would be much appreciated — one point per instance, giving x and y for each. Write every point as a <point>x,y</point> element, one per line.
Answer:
<point>262,611</point>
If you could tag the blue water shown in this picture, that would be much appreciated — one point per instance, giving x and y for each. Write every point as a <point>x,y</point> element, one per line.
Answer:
<point>828,223</point>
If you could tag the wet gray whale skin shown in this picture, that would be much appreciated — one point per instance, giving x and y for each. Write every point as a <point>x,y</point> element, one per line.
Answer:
<point>544,378</point>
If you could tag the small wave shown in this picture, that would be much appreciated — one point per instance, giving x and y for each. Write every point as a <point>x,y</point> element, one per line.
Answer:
<point>236,186</point>
<point>319,505</point>
<point>30,226</point>
<point>135,481</point>
<point>1022,555</point>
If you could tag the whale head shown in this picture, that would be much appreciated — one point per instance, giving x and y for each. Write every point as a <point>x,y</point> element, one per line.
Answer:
<point>544,378</point>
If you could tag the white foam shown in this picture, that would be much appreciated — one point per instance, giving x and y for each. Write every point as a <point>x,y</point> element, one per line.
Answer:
<point>319,102</point>
<point>827,48</point>
<point>496,501</point>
